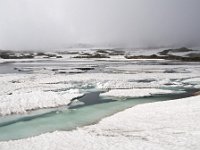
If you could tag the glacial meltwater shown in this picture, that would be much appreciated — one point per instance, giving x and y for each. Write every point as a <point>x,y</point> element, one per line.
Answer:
<point>91,108</point>
<point>66,118</point>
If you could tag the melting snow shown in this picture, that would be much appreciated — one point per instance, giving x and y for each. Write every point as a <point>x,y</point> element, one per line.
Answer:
<point>23,102</point>
<point>170,125</point>
<point>135,92</point>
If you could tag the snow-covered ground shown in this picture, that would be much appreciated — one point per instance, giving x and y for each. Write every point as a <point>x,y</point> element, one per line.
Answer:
<point>22,102</point>
<point>135,92</point>
<point>55,82</point>
<point>171,125</point>
<point>22,92</point>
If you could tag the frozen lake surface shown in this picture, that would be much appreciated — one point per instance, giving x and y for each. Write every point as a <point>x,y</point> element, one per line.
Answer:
<point>42,96</point>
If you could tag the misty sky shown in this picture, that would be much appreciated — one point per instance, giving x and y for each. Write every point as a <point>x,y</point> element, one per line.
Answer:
<point>57,24</point>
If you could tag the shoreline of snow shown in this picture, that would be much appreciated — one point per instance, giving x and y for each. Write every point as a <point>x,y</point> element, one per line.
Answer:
<point>135,92</point>
<point>18,89</point>
<point>160,126</point>
<point>20,103</point>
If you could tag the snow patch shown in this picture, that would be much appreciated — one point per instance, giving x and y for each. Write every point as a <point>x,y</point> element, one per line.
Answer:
<point>193,80</point>
<point>135,92</point>
<point>18,103</point>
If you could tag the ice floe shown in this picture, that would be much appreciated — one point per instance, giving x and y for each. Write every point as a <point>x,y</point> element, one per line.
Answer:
<point>193,80</point>
<point>23,102</point>
<point>135,92</point>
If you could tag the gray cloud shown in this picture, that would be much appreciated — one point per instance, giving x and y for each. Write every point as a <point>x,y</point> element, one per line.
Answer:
<point>49,24</point>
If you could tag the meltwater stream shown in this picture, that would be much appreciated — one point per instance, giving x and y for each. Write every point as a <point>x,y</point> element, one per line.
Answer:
<point>64,119</point>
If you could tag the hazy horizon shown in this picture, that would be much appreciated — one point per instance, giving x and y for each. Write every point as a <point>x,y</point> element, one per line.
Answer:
<point>60,24</point>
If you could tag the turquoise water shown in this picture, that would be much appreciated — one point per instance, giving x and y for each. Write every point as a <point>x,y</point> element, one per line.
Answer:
<point>63,119</point>
<point>48,120</point>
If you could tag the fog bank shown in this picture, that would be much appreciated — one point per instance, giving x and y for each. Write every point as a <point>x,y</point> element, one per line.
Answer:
<point>58,24</point>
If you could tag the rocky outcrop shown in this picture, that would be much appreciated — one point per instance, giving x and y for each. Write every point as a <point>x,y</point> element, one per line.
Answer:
<point>94,55</point>
<point>170,54</point>
<point>13,55</point>
<point>25,55</point>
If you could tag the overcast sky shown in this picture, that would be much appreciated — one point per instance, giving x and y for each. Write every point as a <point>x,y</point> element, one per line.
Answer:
<point>50,24</point>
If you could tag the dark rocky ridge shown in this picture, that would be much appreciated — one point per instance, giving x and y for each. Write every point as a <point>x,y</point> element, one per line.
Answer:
<point>179,50</point>
<point>25,55</point>
<point>15,55</point>
<point>101,53</point>
<point>194,56</point>
<point>95,55</point>
<point>180,54</point>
